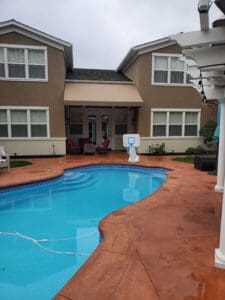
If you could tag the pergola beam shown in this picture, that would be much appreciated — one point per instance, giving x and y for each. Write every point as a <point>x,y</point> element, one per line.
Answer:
<point>205,58</point>
<point>200,38</point>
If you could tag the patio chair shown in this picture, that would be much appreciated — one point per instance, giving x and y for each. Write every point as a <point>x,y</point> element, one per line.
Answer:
<point>104,148</point>
<point>4,158</point>
<point>72,148</point>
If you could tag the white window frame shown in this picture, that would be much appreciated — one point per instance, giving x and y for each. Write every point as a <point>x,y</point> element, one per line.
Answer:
<point>169,56</point>
<point>28,110</point>
<point>25,48</point>
<point>168,110</point>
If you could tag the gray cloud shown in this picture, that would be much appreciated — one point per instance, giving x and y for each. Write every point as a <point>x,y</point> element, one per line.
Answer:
<point>103,31</point>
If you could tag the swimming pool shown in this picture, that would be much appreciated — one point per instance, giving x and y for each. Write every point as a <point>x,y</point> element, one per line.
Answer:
<point>48,230</point>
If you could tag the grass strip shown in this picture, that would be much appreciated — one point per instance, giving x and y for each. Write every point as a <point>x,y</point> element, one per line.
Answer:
<point>185,159</point>
<point>19,163</point>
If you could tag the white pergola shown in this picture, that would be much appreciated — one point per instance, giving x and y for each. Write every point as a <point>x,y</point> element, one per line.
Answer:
<point>204,52</point>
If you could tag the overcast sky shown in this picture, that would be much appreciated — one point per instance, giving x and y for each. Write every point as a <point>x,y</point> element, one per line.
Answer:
<point>103,31</point>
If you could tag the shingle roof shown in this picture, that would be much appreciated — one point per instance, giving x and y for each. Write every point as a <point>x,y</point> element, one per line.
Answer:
<point>96,75</point>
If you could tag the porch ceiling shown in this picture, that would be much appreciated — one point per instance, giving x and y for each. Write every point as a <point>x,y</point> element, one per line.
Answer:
<point>101,94</point>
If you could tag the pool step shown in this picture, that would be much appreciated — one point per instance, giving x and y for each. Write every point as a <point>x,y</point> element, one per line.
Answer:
<point>76,181</point>
<point>76,178</point>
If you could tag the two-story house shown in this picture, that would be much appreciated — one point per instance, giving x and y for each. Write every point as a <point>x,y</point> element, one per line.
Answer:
<point>172,111</point>
<point>44,100</point>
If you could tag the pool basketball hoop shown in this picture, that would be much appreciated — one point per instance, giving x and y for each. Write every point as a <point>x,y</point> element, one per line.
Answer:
<point>131,141</point>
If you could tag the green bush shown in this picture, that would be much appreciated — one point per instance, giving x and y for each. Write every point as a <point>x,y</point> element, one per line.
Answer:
<point>158,149</point>
<point>196,151</point>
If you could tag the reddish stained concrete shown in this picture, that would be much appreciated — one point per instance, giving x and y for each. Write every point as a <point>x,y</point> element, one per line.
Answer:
<point>159,248</point>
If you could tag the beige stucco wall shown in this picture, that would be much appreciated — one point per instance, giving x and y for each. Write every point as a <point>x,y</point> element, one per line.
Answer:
<point>38,93</point>
<point>172,145</point>
<point>53,146</point>
<point>159,96</point>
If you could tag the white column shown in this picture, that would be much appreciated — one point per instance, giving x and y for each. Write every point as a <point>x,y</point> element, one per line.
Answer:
<point>221,154</point>
<point>220,252</point>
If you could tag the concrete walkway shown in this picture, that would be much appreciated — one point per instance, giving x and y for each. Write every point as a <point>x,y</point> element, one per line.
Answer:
<point>159,248</point>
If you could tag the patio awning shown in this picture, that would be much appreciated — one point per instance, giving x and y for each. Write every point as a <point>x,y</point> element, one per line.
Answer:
<point>101,94</point>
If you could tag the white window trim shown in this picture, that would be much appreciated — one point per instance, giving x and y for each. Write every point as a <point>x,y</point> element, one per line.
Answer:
<point>169,55</point>
<point>28,109</point>
<point>168,110</point>
<point>26,48</point>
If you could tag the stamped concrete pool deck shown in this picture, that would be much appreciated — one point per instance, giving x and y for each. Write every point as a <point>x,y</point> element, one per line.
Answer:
<point>159,248</point>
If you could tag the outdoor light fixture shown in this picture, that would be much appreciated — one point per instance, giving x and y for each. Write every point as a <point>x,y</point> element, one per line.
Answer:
<point>200,85</point>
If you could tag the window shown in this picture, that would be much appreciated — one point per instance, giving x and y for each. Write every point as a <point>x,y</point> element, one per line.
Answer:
<point>38,123</point>
<point>19,123</point>
<point>23,63</point>
<point>2,63</point>
<point>169,69</point>
<point>36,64</point>
<point>121,123</point>
<point>159,124</point>
<point>191,124</point>
<point>175,123</point>
<point>3,123</point>
<point>24,122</point>
<point>76,123</point>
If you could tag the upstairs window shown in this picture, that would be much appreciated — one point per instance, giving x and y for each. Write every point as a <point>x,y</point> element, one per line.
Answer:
<point>2,63</point>
<point>36,64</point>
<point>175,123</point>
<point>169,69</point>
<point>16,63</point>
<point>20,63</point>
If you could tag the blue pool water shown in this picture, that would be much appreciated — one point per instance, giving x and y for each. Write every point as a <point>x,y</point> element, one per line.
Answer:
<point>48,230</point>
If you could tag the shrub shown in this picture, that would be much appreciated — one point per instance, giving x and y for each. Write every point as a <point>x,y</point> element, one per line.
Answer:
<point>207,133</point>
<point>196,151</point>
<point>157,149</point>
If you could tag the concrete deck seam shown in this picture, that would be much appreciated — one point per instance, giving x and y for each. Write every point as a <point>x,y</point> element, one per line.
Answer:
<point>149,276</point>
<point>121,277</point>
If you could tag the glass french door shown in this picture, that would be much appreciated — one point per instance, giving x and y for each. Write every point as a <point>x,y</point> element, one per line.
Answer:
<point>92,120</point>
<point>98,127</point>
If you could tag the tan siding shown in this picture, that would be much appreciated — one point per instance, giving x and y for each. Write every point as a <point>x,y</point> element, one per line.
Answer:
<point>38,93</point>
<point>132,72</point>
<point>162,96</point>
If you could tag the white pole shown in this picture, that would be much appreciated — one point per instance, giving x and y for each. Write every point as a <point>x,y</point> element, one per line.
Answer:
<point>220,252</point>
<point>221,153</point>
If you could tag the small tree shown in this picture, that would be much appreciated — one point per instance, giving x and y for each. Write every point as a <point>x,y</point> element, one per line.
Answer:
<point>207,133</point>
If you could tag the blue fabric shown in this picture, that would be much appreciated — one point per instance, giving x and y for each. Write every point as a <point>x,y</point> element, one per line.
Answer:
<point>216,134</point>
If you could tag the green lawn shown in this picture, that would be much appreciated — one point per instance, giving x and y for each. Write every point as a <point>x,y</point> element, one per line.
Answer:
<point>185,159</point>
<point>19,163</point>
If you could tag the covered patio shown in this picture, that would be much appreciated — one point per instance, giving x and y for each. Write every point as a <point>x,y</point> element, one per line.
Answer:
<point>98,108</point>
<point>159,248</point>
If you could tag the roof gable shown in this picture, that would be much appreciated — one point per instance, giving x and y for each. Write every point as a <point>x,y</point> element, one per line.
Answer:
<point>135,51</point>
<point>15,26</point>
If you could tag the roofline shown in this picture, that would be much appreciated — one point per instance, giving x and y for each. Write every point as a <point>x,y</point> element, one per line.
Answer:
<point>33,30</point>
<point>137,50</point>
<point>98,81</point>
<point>40,36</point>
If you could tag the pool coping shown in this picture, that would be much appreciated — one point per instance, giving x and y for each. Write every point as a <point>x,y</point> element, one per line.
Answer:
<point>132,263</point>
